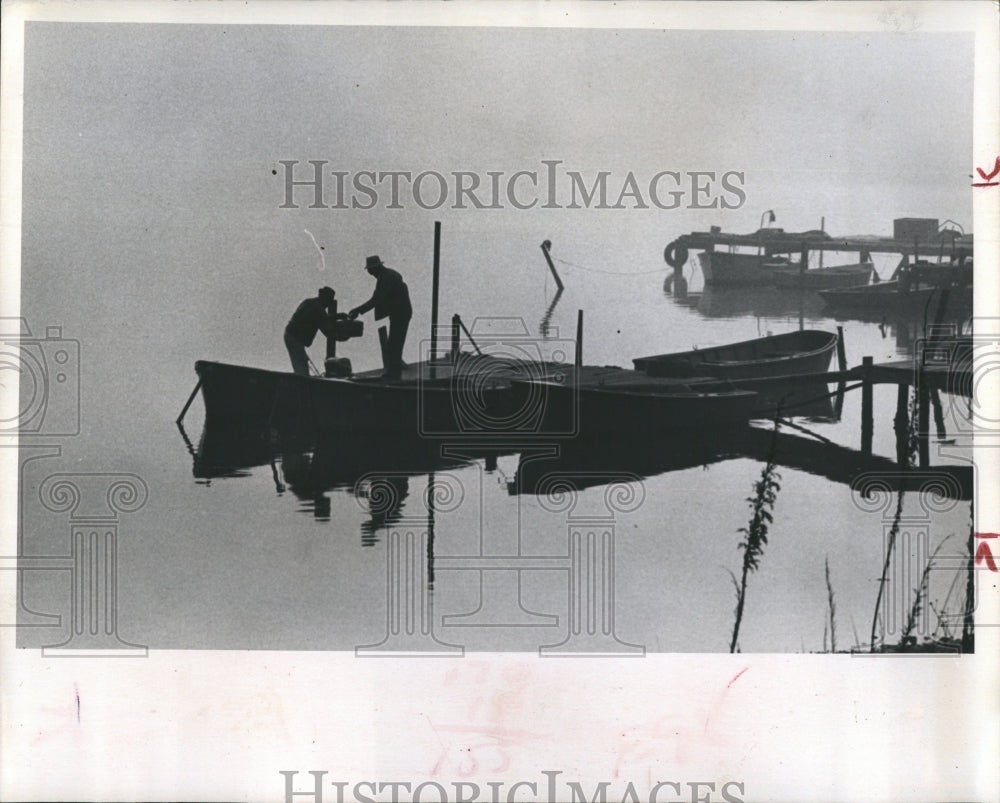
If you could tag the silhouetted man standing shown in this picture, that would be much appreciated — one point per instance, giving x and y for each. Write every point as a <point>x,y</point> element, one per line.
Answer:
<point>310,316</point>
<point>391,298</point>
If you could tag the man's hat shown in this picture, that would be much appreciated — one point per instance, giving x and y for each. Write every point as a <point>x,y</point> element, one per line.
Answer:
<point>373,262</point>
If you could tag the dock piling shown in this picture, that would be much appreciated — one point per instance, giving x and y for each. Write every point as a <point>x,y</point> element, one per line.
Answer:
<point>555,274</point>
<point>434,293</point>
<point>867,421</point>
<point>841,354</point>
<point>838,403</point>
<point>456,335</point>
<point>578,361</point>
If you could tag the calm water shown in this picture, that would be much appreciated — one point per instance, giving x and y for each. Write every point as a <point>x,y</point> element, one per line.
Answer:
<point>289,551</point>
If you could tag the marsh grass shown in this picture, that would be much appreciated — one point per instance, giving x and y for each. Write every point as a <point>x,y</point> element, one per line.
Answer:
<point>755,533</point>
<point>831,607</point>
<point>919,595</point>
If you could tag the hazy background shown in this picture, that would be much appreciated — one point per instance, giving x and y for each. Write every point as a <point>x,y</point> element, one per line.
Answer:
<point>152,234</point>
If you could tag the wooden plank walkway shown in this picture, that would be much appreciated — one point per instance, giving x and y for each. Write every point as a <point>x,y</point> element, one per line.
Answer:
<point>777,242</point>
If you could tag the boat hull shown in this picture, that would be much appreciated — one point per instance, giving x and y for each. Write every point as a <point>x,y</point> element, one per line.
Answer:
<point>253,400</point>
<point>735,268</point>
<point>826,278</point>
<point>588,412</point>
<point>806,352</point>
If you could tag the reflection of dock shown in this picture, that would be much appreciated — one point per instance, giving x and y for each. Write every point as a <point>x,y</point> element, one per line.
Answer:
<point>844,465</point>
<point>597,463</point>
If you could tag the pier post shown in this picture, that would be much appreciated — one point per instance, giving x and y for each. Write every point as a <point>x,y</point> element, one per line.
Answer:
<point>838,401</point>
<point>456,335</point>
<point>867,422</point>
<point>841,354</point>
<point>901,424</point>
<point>578,361</point>
<point>803,262</point>
<point>434,294</point>
<point>555,275</point>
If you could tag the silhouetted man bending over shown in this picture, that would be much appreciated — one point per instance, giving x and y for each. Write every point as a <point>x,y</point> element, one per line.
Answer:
<point>310,316</point>
<point>391,298</point>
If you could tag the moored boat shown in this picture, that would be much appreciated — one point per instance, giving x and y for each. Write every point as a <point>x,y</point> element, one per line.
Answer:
<point>472,397</point>
<point>739,268</point>
<point>610,401</point>
<point>893,296</point>
<point>825,278</point>
<point>801,352</point>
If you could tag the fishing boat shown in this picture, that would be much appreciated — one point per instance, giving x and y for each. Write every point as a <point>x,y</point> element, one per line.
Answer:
<point>609,401</point>
<point>740,268</point>
<point>471,396</point>
<point>753,259</point>
<point>803,352</point>
<point>825,278</point>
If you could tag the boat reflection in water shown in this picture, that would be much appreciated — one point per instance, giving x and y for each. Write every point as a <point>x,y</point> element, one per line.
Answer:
<point>761,302</point>
<point>373,470</point>
<point>592,462</point>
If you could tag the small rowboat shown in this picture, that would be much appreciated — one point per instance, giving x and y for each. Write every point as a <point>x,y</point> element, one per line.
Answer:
<point>804,352</point>
<point>825,278</point>
<point>611,402</point>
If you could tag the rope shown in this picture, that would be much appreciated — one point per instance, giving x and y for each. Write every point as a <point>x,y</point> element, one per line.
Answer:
<point>612,272</point>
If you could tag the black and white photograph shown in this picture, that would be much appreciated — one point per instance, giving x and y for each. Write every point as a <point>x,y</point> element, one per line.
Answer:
<point>481,402</point>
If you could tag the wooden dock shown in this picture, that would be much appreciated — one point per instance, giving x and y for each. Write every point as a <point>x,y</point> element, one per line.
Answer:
<point>775,241</point>
<point>930,376</point>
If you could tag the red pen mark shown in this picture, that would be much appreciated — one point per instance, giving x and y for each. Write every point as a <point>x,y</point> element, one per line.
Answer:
<point>987,178</point>
<point>984,554</point>
<point>736,677</point>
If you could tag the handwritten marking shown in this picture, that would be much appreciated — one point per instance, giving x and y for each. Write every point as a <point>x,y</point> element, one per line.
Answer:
<point>987,178</point>
<point>76,692</point>
<point>736,677</point>
<point>983,552</point>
